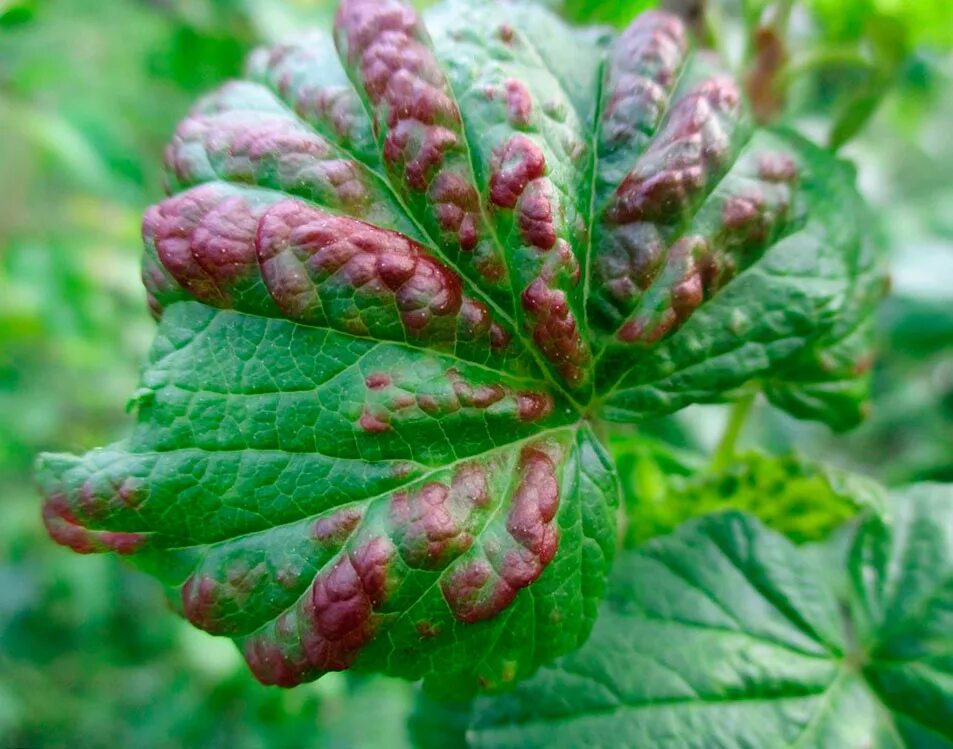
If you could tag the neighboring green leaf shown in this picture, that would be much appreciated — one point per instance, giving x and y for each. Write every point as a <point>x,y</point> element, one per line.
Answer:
<point>855,112</point>
<point>919,22</point>
<point>439,724</point>
<point>398,277</point>
<point>597,11</point>
<point>725,634</point>
<point>15,12</point>
<point>800,498</point>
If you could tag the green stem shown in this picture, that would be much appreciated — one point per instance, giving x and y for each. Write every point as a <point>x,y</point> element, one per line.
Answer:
<point>725,452</point>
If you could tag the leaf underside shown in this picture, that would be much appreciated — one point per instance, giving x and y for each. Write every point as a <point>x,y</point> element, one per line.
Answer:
<point>399,272</point>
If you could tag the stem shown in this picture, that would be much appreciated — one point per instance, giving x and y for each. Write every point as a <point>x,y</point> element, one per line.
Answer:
<point>724,454</point>
<point>601,429</point>
<point>767,56</point>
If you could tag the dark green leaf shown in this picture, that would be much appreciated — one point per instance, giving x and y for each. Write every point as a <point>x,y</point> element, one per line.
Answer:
<point>727,635</point>
<point>856,112</point>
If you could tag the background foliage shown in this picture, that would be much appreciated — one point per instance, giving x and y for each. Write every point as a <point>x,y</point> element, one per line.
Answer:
<point>89,93</point>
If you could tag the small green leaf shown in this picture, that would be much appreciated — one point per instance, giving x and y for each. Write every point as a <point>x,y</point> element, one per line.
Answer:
<point>856,112</point>
<point>725,634</point>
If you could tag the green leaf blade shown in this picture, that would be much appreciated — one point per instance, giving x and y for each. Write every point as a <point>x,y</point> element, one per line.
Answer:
<point>744,642</point>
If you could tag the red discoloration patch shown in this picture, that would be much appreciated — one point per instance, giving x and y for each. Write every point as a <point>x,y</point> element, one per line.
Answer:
<point>374,423</point>
<point>402,401</point>
<point>681,159</point>
<point>516,164</point>
<point>434,524</point>
<point>377,380</point>
<point>475,319</point>
<point>519,103</point>
<point>533,406</point>
<point>474,592</point>
<point>427,629</point>
<point>642,69</point>
<point>686,259</point>
<point>862,365</point>
<point>530,519</point>
<point>740,211</point>
<point>535,212</point>
<point>566,258</point>
<point>457,208</point>
<point>776,166</point>
<point>506,34</point>
<point>403,80</point>
<point>555,330</point>
<point>630,262</point>
<point>205,239</point>
<point>687,294</point>
<point>465,394</point>
<point>414,110</point>
<point>335,529</point>
<point>469,396</point>
<point>490,267</point>
<point>640,331</point>
<point>328,628</point>
<point>420,150</point>
<point>371,561</point>
<point>749,219</point>
<point>265,148</point>
<point>200,602</point>
<point>690,273</point>
<point>403,469</point>
<point>208,600</point>
<point>273,665</point>
<point>660,196</point>
<point>499,337</point>
<point>336,108</point>
<point>337,250</point>
<point>132,492</point>
<point>64,528</point>
<point>479,589</point>
<point>695,267</point>
<point>288,577</point>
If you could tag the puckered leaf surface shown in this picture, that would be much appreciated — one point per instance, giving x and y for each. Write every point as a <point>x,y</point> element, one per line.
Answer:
<point>399,272</point>
<point>725,634</point>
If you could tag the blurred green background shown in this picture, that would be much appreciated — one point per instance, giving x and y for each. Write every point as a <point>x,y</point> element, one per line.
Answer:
<point>90,91</point>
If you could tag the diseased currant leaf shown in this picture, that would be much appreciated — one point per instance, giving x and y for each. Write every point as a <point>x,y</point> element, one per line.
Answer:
<point>401,268</point>
<point>725,634</point>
